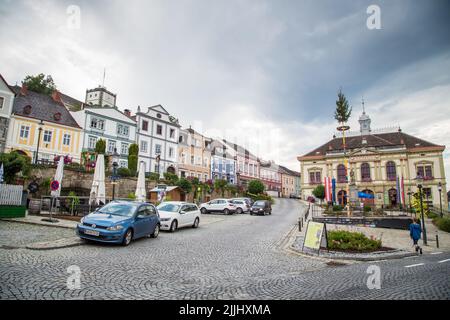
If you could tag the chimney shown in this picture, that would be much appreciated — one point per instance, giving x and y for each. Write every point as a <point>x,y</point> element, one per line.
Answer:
<point>57,97</point>
<point>24,90</point>
<point>127,112</point>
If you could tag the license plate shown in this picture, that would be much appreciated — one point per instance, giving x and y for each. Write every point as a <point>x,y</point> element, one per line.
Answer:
<point>92,233</point>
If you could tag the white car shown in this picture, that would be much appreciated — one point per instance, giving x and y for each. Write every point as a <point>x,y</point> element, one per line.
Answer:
<point>177,214</point>
<point>218,205</point>
<point>242,205</point>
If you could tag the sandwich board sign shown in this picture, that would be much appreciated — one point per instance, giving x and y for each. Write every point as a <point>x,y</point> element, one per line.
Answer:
<point>315,236</point>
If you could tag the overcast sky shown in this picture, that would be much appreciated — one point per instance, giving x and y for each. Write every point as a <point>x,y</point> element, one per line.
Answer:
<point>264,73</point>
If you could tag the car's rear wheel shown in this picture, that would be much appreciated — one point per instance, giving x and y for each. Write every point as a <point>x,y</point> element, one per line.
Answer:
<point>226,211</point>
<point>203,210</point>
<point>196,223</point>
<point>127,237</point>
<point>174,226</point>
<point>155,233</point>
<point>239,211</point>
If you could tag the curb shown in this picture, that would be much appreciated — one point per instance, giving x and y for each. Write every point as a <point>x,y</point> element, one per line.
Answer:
<point>58,244</point>
<point>400,255</point>
<point>38,224</point>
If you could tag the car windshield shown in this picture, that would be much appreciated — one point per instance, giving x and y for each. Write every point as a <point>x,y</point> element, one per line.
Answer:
<point>119,209</point>
<point>259,204</point>
<point>169,207</point>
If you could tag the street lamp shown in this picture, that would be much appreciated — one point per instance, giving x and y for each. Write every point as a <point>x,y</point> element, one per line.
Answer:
<point>419,180</point>
<point>409,199</point>
<point>115,164</point>
<point>440,197</point>
<point>40,128</point>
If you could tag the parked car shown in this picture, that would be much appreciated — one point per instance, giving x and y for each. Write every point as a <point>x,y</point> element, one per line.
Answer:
<point>248,200</point>
<point>242,206</point>
<point>177,214</point>
<point>293,196</point>
<point>311,199</point>
<point>218,205</point>
<point>120,222</point>
<point>261,207</point>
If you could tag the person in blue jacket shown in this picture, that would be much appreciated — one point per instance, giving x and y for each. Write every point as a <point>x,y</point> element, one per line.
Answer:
<point>415,232</point>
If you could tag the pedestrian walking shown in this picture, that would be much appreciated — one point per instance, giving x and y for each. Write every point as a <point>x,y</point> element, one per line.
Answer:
<point>415,232</point>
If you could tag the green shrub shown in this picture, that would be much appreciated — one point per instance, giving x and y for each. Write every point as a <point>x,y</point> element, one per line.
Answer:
<point>152,176</point>
<point>367,208</point>
<point>124,172</point>
<point>432,215</point>
<point>337,207</point>
<point>255,187</point>
<point>442,223</point>
<point>354,241</point>
<point>133,151</point>
<point>100,146</point>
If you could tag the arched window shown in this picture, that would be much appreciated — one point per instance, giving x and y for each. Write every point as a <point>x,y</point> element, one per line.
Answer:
<point>391,171</point>
<point>341,173</point>
<point>365,172</point>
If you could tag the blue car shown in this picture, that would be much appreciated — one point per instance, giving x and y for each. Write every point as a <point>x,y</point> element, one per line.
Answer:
<point>120,222</point>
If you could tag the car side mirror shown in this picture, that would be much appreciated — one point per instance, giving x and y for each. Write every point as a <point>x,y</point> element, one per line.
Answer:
<point>182,212</point>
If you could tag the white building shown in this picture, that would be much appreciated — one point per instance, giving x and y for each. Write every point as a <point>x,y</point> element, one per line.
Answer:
<point>6,106</point>
<point>107,123</point>
<point>157,135</point>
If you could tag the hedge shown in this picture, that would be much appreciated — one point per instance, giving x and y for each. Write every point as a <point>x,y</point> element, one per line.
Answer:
<point>442,223</point>
<point>353,241</point>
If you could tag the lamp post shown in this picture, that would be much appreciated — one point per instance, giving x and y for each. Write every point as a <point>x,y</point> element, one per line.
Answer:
<point>440,197</point>
<point>419,180</point>
<point>409,199</point>
<point>115,165</point>
<point>40,125</point>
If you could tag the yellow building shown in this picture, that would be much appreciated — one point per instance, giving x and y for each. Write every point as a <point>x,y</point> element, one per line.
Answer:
<point>194,155</point>
<point>42,128</point>
<point>289,183</point>
<point>384,165</point>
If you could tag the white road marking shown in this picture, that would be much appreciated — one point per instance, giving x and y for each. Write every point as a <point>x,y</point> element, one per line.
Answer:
<point>436,252</point>
<point>443,260</point>
<point>415,265</point>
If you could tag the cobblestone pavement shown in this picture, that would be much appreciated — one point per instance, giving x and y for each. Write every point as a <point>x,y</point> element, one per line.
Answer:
<point>20,234</point>
<point>239,257</point>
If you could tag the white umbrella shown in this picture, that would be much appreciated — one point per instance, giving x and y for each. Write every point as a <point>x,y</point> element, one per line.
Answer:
<point>140,187</point>
<point>58,177</point>
<point>98,184</point>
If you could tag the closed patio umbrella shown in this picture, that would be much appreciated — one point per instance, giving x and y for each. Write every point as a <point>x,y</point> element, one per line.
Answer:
<point>140,188</point>
<point>97,194</point>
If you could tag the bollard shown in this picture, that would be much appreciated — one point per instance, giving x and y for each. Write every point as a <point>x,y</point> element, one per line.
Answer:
<point>437,241</point>
<point>299,224</point>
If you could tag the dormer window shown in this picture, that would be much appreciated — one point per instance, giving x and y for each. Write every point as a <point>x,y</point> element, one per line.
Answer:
<point>57,116</point>
<point>27,109</point>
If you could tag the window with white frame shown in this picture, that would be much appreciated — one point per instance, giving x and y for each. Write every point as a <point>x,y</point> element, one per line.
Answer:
<point>123,130</point>
<point>124,148</point>
<point>205,162</point>
<point>111,146</point>
<point>144,145</point>
<point>123,164</point>
<point>172,133</point>
<point>170,152</point>
<point>66,139</point>
<point>91,142</point>
<point>159,129</point>
<point>157,149</point>
<point>97,123</point>
<point>2,101</point>
<point>47,136</point>
<point>24,132</point>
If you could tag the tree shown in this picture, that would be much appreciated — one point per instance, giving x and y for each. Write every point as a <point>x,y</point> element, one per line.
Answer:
<point>100,146</point>
<point>133,152</point>
<point>343,110</point>
<point>220,184</point>
<point>255,187</point>
<point>13,163</point>
<point>171,178</point>
<point>319,192</point>
<point>185,185</point>
<point>40,83</point>
<point>415,203</point>
<point>232,189</point>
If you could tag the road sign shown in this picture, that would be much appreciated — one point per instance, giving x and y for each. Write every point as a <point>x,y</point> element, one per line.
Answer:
<point>54,185</point>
